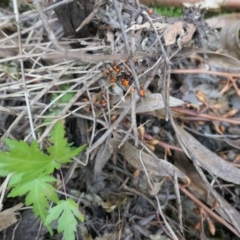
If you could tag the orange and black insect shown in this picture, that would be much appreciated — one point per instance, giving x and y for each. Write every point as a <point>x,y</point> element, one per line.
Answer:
<point>125,82</point>
<point>126,79</point>
<point>112,79</point>
<point>108,72</point>
<point>142,92</point>
<point>101,104</point>
<point>115,67</point>
<point>104,103</point>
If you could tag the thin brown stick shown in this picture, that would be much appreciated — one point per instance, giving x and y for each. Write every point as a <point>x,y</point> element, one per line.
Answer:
<point>71,102</point>
<point>110,129</point>
<point>179,204</point>
<point>88,19</point>
<point>204,116</point>
<point>47,9</point>
<point>134,74</point>
<point>23,73</point>
<point>50,33</point>
<point>209,211</point>
<point>203,70</point>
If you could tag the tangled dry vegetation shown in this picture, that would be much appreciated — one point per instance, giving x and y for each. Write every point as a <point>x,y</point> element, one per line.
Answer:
<point>156,100</point>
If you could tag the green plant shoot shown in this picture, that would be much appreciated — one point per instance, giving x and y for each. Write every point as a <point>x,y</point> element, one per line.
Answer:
<point>32,176</point>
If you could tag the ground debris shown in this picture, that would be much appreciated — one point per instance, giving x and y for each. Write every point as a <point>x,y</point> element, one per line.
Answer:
<point>114,76</point>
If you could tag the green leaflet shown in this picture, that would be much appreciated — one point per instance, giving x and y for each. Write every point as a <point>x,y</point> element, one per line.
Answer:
<point>66,212</point>
<point>39,192</point>
<point>31,176</point>
<point>61,151</point>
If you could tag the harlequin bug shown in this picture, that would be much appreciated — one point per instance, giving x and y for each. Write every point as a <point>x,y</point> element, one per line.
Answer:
<point>125,82</point>
<point>104,103</point>
<point>142,92</point>
<point>107,72</point>
<point>115,67</point>
<point>112,79</point>
<point>116,74</point>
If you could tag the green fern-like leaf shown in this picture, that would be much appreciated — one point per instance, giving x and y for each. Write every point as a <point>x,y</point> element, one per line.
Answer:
<point>61,151</point>
<point>39,192</point>
<point>67,212</point>
<point>31,176</point>
<point>30,162</point>
<point>26,160</point>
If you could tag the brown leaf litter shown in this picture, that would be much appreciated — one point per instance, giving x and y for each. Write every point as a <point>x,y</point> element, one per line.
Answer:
<point>128,70</point>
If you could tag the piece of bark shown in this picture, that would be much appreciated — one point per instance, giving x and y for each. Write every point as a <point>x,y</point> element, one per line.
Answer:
<point>71,15</point>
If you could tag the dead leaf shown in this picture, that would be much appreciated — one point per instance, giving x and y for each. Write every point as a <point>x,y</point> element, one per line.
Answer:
<point>223,62</point>
<point>109,206</point>
<point>158,167</point>
<point>223,20</point>
<point>207,159</point>
<point>103,155</point>
<point>233,142</point>
<point>190,30</point>
<point>148,25</point>
<point>229,33</point>
<point>155,186</point>
<point>152,102</point>
<point>8,216</point>
<point>200,190</point>
<point>172,32</point>
<point>229,39</point>
<point>203,157</point>
<point>219,61</point>
<point>179,30</point>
